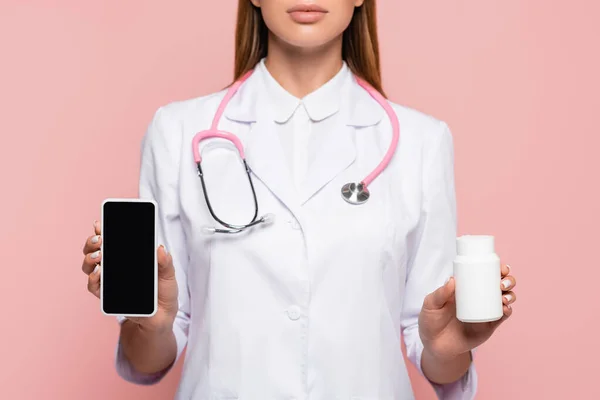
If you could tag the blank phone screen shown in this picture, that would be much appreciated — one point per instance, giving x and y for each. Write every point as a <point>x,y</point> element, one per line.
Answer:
<point>128,258</point>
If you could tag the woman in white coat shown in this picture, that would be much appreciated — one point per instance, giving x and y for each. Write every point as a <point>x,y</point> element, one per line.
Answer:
<point>313,304</point>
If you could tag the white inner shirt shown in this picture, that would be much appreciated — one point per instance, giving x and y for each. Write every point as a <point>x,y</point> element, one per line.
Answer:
<point>303,123</point>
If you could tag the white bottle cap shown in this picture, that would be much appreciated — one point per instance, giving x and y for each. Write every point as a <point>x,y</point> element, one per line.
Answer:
<point>467,245</point>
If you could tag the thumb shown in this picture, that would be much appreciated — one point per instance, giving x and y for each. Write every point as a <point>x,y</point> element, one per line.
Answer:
<point>165,263</point>
<point>441,295</point>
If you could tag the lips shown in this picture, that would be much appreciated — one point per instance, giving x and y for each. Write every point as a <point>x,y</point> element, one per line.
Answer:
<point>307,8</point>
<point>307,13</point>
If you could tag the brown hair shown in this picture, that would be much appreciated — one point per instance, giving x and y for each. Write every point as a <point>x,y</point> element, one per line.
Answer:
<point>360,48</point>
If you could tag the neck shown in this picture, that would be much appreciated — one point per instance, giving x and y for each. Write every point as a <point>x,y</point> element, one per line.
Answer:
<point>302,71</point>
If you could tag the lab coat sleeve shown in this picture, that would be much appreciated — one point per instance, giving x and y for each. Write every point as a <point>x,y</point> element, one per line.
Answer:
<point>431,251</point>
<point>159,181</point>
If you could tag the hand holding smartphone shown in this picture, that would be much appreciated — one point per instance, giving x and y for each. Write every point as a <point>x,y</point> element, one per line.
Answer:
<point>128,222</point>
<point>129,268</point>
<point>137,276</point>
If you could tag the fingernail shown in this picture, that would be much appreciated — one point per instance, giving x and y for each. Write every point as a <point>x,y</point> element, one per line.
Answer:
<point>506,283</point>
<point>96,254</point>
<point>508,297</point>
<point>165,249</point>
<point>447,280</point>
<point>95,239</point>
<point>95,223</point>
<point>508,266</point>
<point>97,269</point>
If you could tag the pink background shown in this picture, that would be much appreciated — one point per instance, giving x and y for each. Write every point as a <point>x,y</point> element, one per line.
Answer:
<point>516,80</point>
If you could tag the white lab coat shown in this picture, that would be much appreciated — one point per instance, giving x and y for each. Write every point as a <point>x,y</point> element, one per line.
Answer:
<point>311,307</point>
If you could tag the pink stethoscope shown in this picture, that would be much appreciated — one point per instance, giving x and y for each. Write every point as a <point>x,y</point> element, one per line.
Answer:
<point>353,193</point>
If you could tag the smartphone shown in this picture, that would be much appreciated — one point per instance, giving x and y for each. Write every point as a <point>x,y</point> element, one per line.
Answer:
<point>129,268</point>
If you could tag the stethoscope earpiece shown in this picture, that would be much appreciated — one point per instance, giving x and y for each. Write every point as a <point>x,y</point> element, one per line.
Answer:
<point>268,218</point>
<point>208,230</point>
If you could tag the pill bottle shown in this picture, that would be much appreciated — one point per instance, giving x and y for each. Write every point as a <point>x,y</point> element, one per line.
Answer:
<point>477,277</point>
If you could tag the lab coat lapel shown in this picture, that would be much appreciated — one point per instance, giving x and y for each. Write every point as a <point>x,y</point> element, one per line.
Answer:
<point>334,154</point>
<point>337,151</point>
<point>262,145</point>
<point>265,157</point>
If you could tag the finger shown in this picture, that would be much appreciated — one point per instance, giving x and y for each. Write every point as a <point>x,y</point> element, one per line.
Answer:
<point>94,282</point>
<point>165,263</point>
<point>440,296</point>
<point>505,270</point>
<point>508,282</point>
<point>92,244</point>
<point>509,298</point>
<point>89,262</point>
<point>97,229</point>
<point>507,312</point>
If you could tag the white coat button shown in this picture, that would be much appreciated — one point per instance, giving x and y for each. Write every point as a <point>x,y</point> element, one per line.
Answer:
<point>293,313</point>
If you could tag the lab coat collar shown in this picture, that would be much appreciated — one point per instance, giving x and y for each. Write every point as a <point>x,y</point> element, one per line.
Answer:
<point>361,110</point>
<point>320,104</point>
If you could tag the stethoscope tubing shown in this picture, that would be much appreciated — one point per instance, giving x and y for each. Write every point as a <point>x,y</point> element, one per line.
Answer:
<point>354,193</point>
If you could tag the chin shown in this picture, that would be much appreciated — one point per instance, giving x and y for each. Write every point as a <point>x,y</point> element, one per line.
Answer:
<point>307,38</point>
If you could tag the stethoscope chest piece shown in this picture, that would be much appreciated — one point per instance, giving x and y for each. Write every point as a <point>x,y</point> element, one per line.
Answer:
<point>355,193</point>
